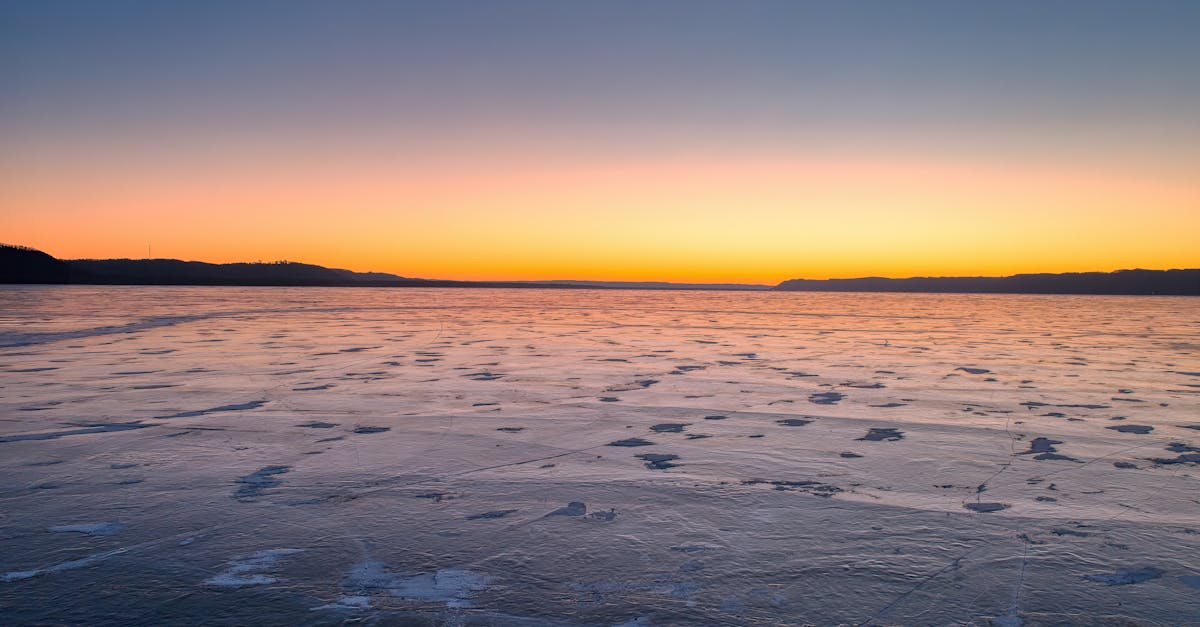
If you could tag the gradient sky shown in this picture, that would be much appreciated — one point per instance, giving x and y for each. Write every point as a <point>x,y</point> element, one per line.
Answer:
<point>745,140</point>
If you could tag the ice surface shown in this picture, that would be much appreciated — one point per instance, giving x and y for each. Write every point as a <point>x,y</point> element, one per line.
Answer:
<point>91,529</point>
<point>535,457</point>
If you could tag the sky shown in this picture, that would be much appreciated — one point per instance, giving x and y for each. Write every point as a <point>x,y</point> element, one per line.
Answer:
<point>692,140</point>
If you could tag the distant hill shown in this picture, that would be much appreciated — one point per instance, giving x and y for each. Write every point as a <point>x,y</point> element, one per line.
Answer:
<point>1130,282</point>
<point>175,272</point>
<point>19,264</point>
<point>27,265</point>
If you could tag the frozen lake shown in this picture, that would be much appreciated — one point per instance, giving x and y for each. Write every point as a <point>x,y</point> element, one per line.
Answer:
<point>527,457</point>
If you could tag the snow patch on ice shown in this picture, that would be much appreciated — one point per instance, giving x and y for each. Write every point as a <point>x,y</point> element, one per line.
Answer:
<point>249,571</point>
<point>347,603</point>
<point>18,575</point>
<point>451,586</point>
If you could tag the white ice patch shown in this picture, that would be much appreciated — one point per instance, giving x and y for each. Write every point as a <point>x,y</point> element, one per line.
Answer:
<point>248,571</point>
<point>370,576</point>
<point>18,575</point>
<point>91,529</point>
<point>347,603</point>
<point>451,586</point>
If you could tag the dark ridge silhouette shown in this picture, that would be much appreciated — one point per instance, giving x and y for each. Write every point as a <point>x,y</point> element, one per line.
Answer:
<point>20,264</point>
<point>173,271</point>
<point>27,265</point>
<point>278,273</point>
<point>1121,282</point>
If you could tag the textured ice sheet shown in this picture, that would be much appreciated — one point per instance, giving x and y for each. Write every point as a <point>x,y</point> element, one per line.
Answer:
<point>222,455</point>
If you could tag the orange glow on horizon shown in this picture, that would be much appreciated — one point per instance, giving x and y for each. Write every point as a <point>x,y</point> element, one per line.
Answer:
<point>693,220</point>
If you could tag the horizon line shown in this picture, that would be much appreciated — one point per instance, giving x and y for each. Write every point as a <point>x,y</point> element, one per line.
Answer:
<point>619,281</point>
